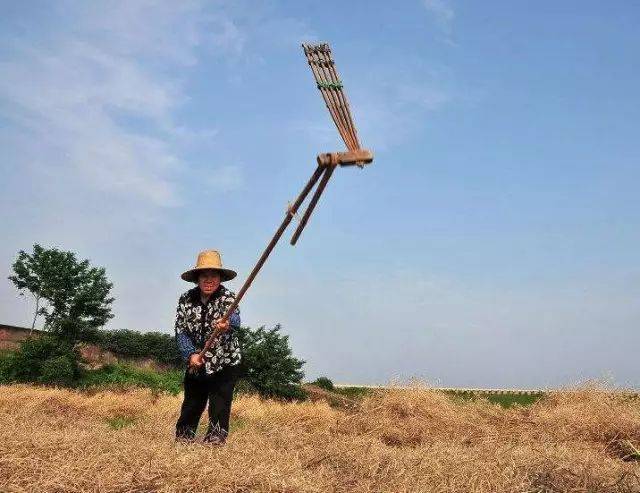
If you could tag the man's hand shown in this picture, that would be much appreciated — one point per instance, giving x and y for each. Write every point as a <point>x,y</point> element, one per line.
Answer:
<point>221,326</point>
<point>195,360</point>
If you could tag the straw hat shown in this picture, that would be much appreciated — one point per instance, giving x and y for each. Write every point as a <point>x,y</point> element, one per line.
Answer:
<point>209,259</point>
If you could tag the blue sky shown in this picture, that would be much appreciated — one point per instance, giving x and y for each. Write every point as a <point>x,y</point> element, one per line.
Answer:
<point>493,242</point>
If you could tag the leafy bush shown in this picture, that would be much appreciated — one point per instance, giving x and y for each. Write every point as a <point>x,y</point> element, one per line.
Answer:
<point>323,383</point>
<point>47,360</point>
<point>269,364</point>
<point>59,370</point>
<point>6,358</point>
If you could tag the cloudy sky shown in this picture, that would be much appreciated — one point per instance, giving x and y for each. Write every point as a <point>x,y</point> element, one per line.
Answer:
<point>494,241</point>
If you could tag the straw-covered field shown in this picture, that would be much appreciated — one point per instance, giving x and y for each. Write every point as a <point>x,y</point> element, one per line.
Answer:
<point>394,441</point>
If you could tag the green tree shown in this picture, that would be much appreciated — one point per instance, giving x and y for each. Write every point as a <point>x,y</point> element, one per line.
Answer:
<point>70,294</point>
<point>270,366</point>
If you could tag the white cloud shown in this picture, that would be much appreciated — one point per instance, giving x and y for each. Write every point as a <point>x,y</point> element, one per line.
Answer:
<point>443,15</point>
<point>440,9</point>
<point>73,100</point>
<point>170,31</point>
<point>93,142</point>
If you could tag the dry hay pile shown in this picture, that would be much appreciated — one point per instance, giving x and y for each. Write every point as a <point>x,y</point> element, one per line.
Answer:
<point>59,440</point>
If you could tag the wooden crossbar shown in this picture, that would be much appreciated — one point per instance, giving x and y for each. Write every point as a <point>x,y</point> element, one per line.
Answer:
<point>359,157</point>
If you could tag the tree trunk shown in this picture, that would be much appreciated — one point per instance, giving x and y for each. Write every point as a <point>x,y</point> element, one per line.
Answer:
<point>33,324</point>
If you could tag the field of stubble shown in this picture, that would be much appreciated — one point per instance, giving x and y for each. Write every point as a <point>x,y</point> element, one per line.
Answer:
<point>58,440</point>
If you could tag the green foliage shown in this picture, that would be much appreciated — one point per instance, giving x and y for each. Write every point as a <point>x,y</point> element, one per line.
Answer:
<point>119,376</point>
<point>74,295</point>
<point>59,370</point>
<point>161,347</point>
<point>46,360</point>
<point>270,367</point>
<point>324,383</point>
<point>269,363</point>
<point>353,392</point>
<point>6,363</point>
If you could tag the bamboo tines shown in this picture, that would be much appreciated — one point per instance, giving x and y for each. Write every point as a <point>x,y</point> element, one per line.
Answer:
<point>327,96</point>
<point>342,98</point>
<point>323,68</point>
<point>332,87</point>
<point>319,58</point>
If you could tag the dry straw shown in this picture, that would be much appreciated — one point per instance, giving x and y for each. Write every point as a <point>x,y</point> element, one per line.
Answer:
<point>57,440</point>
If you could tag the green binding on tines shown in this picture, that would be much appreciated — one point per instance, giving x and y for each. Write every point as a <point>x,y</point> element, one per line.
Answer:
<point>330,85</point>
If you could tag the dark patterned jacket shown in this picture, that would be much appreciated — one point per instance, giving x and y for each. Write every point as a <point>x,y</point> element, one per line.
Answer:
<point>194,325</point>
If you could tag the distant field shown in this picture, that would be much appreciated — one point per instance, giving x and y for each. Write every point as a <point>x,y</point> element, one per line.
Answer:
<point>390,441</point>
<point>505,399</point>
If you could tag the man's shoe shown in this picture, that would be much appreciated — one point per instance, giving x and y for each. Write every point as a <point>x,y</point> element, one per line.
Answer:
<point>216,435</point>
<point>185,435</point>
<point>214,440</point>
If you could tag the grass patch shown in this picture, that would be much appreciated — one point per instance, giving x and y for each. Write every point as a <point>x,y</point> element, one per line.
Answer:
<point>504,400</point>
<point>119,422</point>
<point>237,424</point>
<point>353,392</point>
<point>122,376</point>
<point>510,400</point>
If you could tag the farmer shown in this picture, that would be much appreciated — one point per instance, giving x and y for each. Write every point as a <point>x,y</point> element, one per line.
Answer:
<point>213,376</point>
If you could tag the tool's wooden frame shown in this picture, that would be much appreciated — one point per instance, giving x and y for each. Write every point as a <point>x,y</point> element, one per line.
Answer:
<point>324,71</point>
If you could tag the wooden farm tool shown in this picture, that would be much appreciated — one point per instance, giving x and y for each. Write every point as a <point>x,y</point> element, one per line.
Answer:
<point>330,86</point>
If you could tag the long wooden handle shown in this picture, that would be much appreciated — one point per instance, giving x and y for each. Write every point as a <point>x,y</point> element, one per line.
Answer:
<point>312,203</point>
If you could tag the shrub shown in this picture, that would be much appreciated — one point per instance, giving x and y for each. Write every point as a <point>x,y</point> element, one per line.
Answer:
<point>6,363</point>
<point>323,383</point>
<point>59,370</point>
<point>46,360</point>
<point>270,366</point>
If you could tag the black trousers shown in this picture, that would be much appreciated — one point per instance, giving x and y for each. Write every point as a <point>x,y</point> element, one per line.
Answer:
<point>218,390</point>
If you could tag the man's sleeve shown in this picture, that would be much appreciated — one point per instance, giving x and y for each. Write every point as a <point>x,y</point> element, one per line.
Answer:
<point>234,319</point>
<point>184,342</point>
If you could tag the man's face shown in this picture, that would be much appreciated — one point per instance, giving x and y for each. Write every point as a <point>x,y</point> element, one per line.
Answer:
<point>208,281</point>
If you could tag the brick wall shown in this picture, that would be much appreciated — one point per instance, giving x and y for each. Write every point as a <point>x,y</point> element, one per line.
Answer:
<point>11,336</point>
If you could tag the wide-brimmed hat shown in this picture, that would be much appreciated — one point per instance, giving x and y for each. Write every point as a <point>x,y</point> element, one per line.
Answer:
<point>209,259</point>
